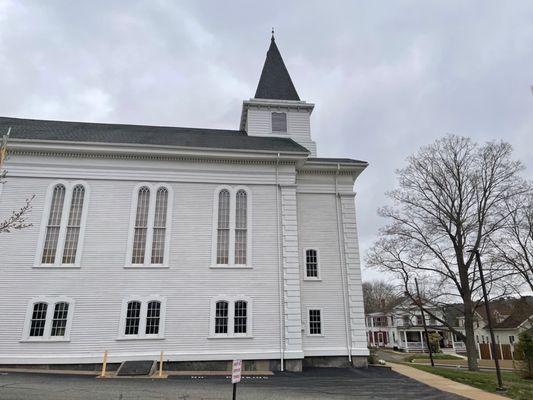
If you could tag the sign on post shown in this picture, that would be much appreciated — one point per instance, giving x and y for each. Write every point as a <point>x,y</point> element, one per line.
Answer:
<point>236,371</point>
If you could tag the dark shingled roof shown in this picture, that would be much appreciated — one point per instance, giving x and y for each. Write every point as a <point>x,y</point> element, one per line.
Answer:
<point>144,135</point>
<point>336,160</point>
<point>275,82</point>
<point>522,310</point>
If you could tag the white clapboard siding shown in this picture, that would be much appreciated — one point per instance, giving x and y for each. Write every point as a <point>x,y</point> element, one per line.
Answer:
<point>259,123</point>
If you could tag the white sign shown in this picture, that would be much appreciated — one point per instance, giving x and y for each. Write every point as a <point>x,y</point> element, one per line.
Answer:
<point>236,371</point>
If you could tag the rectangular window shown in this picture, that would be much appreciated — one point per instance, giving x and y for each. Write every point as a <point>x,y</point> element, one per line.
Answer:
<point>59,323</point>
<point>152,317</point>
<point>240,317</point>
<point>315,322</point>
<point>311,263</point>
<point>419,320</point>
<point>38,319</point>
<point>279,122</point>
<point>511,339</point>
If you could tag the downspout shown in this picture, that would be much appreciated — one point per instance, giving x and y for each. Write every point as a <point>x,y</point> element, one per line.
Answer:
<point>280,274</point>
<point>342,265</point>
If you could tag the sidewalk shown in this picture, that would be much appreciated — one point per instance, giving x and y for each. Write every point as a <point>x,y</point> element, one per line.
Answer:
<point>444,384</point>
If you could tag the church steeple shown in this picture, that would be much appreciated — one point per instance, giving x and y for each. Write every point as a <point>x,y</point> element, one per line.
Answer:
<point>275,82</point>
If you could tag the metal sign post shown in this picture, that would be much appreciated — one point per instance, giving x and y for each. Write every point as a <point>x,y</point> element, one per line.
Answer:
<point>236,376</point>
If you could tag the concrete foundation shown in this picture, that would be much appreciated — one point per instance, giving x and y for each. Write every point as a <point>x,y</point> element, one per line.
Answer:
<point>291,365</point>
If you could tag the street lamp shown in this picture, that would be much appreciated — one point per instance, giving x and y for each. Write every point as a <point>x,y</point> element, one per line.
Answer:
<point>489,320</point>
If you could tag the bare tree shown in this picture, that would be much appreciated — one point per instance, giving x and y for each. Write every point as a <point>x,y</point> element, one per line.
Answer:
<point>18,218</point>
<point>449,202</point>
<point>380,296</point>
<point>513,247</point>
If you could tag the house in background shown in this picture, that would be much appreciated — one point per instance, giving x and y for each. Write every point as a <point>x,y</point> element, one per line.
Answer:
<point>205,244</point>
<point>401,327</point>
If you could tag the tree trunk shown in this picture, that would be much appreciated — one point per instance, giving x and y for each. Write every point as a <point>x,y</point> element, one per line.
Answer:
<point>471,346</point>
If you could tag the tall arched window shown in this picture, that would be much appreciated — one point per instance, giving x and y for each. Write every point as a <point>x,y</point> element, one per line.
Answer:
<point>141,226</point>
<point>240,227</point>
<point>160,223</point>
<point>221,317</point>
<point>133,318</point>
<point>64,220</point>
<point>73,225</point>
<point>54,225</point>
<point>223,227</point>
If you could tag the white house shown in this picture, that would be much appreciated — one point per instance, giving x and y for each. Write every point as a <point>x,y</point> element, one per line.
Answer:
<point>402,328</point>
<point>204,244</point>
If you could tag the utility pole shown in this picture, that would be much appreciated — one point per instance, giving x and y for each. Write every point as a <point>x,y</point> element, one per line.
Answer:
<point>489,322</point>
<point>424,324</point>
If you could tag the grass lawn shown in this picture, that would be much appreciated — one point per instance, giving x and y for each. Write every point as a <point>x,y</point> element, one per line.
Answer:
<point>517,387</point>
<point>438,356</point>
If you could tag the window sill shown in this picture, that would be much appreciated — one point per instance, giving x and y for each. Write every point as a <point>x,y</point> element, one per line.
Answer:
<point>229,337</point>
<point>47,340</point>
<point>50,266</point>
<point>307,279</point>
<point>123,338</point>
<point>155,266</point>
<point>227,266</point>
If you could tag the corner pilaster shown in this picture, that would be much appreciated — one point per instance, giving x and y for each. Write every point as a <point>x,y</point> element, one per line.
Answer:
<point>353,269</point>
<point>291,274</point>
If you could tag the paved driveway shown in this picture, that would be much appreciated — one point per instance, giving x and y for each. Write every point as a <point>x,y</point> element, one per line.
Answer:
<point>373,383</point>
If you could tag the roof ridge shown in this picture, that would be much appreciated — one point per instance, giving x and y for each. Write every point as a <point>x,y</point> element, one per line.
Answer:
<point>123,125</point>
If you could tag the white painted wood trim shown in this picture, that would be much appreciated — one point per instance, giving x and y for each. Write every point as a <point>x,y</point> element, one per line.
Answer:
<point>51,303</point>
<point>144,300</point>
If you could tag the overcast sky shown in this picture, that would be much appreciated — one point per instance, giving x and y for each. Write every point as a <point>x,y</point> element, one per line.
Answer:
<point>386,76</point>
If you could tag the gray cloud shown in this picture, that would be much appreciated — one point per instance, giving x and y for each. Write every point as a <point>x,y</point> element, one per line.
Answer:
<point>386,77</point>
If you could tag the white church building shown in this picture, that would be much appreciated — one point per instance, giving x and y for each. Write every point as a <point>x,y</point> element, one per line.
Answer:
<point>206,244</point>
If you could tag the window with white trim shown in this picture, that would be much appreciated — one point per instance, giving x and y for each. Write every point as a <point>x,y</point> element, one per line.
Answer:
<point>149,234</point>
<point>311,264</point>
<point>279,122</point>
<point>48,318</point>
<point>231,317</point>
<point>232,220</point>
<point>315,321</point>
<point>142,318</point>
<point>64,224</point>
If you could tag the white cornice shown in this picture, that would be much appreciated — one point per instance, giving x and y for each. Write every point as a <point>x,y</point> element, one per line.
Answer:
<point>273,105</point>
<point>135,151</point>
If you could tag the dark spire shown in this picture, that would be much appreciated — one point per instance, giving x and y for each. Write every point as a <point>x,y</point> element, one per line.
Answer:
<point>275,82</point>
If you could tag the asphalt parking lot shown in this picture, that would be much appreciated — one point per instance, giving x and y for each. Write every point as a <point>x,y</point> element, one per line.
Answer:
<point>372,383</point>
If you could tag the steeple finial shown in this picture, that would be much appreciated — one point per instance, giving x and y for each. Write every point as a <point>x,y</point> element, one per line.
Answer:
<point>272,33</point>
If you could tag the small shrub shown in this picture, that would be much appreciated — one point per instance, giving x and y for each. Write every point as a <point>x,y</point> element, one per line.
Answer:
<point>524,348</point>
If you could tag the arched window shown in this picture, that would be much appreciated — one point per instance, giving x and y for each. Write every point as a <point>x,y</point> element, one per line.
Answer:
<point>73,225</point>
<point>240,317</point>
<point>221,317</point>
<point>64,220</point>
<point>54,225</point>
<point>59,322</point>
<point>133,317</point>
<point>311,263</point>
<point>141,226</point>
<point>240,227</point>
<point>223,227</point>
<point>160,223</point>
<point>48,318</point>
<point>38,319</point>
<point>153,313</point>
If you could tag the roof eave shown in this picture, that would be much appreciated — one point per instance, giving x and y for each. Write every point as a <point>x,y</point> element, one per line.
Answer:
<point>43,146</point>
